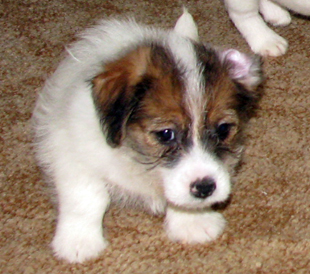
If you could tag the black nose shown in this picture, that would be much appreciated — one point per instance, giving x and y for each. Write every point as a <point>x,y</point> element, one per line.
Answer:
<point>203,188</point>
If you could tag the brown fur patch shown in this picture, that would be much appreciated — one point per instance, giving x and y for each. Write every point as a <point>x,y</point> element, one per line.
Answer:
<point>227,101</point>
<point>143,93</point>
<point>121,74</point>
<point>221,106</point>
<point>228,106</point>
<point>139,95</point>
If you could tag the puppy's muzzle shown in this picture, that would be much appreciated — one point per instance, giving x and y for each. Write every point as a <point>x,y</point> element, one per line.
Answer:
<point>203,188</point>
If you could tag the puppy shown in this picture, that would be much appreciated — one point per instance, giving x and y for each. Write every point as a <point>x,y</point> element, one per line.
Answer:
<point>147,116</point>
<point>263,40</point>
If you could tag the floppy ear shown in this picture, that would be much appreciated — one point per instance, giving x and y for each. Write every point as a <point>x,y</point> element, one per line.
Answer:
<point>242,68</point>
<point>118,90</point>
<point>246,73</point>
<point>186,26</point>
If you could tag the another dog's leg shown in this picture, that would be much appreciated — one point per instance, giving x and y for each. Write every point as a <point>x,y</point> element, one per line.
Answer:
<point>262,40</point>
<point>193,227</point>
<point>83,201</point>
<point>274,14</point>
<point>299,6</point>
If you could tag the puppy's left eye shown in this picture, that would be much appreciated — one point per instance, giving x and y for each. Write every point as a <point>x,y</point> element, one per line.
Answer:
<point>166,136</point>
<point>223,131</point>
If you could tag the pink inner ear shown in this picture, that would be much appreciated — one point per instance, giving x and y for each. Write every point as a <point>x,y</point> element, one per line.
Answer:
<point>240,63</point>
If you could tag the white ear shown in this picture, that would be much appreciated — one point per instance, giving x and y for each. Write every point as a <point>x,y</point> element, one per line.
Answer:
<point>186,26</point>
<point>244,69</point>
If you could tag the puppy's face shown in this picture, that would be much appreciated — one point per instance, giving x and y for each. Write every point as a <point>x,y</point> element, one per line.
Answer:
<point>182,119</point>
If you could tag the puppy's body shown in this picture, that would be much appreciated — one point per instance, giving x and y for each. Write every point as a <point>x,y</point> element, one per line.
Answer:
<point>142,115</point>
<point>263,40</point>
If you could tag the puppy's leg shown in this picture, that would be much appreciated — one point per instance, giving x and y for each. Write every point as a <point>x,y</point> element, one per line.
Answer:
<point>274,14</point>
<point>262,40</point>
<point>193,227</point>
<point>83,201</point>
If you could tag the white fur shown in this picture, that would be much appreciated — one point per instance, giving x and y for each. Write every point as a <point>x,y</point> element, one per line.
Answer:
<point>193,227</point>
<point>186,26</point>
<point>88,172</point>
<point>195,165</point>
<point>263,40</point>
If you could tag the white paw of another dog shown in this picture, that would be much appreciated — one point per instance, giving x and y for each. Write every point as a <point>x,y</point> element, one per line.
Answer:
<point>193,227</point>
<point>78,246</point>
<point>268,44</point>
<point>274,14</point>
<point>278,19</point>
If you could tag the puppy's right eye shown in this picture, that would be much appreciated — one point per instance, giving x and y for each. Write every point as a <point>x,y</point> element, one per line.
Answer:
<point>166,136</point>
<point>223,131</point>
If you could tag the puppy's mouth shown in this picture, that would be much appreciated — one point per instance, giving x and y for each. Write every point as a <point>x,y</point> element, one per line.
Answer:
<point>222,205</point>
<point>199,204</point>
<point>202,205</point>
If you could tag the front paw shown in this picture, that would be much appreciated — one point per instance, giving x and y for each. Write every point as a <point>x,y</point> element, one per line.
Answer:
<point>270,44</point>
<point>193,227</point>
<point>79,245</point>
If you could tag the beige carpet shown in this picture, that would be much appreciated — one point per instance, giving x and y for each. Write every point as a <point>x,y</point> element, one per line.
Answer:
<point>269,216</point>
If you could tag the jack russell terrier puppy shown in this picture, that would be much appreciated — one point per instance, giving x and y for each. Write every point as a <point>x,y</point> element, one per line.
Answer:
<point>143,116</point>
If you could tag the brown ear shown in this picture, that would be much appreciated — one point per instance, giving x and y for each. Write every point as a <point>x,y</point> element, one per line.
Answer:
<point>119,89</point>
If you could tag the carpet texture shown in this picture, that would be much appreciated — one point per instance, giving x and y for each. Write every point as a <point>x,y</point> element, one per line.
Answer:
<point>269,216</point>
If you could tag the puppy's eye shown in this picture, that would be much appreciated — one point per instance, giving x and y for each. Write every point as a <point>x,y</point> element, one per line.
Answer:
<point>166,135</point>
<point>223,131</point>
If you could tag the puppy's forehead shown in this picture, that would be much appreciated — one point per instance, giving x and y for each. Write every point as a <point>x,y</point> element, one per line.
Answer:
<point>205,79</point>
<point>186,58</point>
<point>180,86</point>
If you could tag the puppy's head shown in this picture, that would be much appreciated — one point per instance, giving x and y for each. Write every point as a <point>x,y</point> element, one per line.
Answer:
<point>181,115</point>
